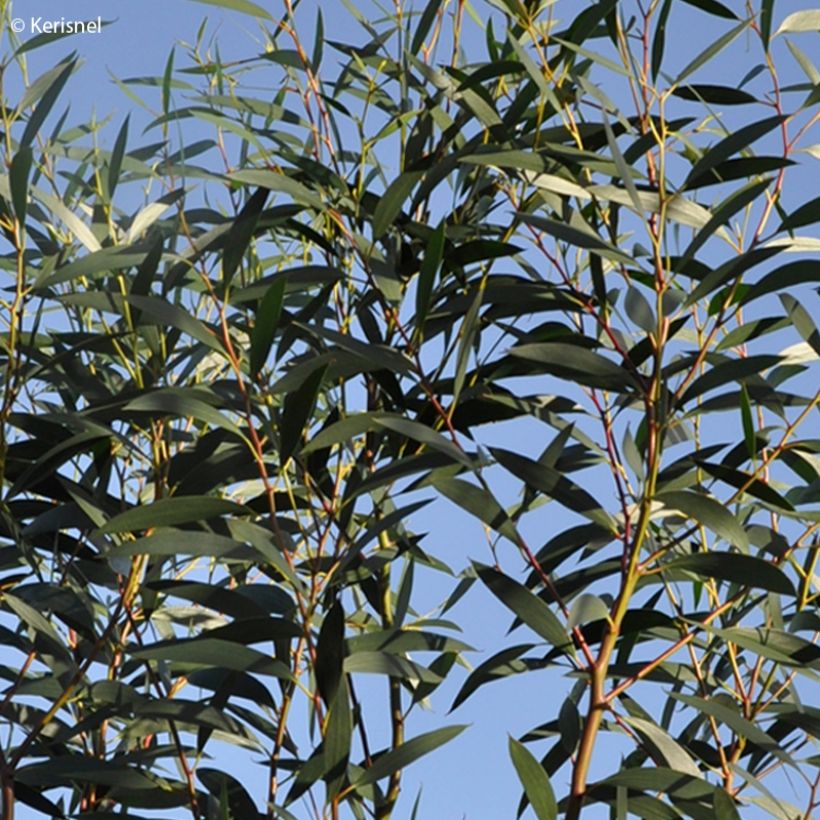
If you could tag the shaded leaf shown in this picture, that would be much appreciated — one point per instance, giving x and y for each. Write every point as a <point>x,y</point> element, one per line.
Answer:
<point>525,605</point>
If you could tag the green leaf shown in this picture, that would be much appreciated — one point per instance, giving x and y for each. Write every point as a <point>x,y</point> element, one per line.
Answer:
<point>712,51</point>
<point>713,7</point>
<point>802,321</point>
<point>731,371</point>
<point>736,141</point>
<point>575,236</point>
<point>625,171</point>
<point>639,310</point>
<point>430,265</point>
<point>337,740</point>
<point>264,329</point>
<point>659,40</point>
<point>115,163</point>
<point>554,484</point>
<point>52,83</point>
<point>724,806</point>
<point>297,411</point>
<point>535,780</point>
<point>585,609</point>
<point>330,653</point>
<point>402,756</point>
<point>710,513</point>
<point>502,664</point>
<point>243,6</point>
<point>740,480</point>
<point>424,435</point>
<point>736,722</point>
<point>786,276</point>
<point>18,181</point>
<point>167,79</point>
<point>394,197</point>
<point>766,12</point>
<point>175,402</point>
<point>241,233</point>
<point>468,334</point>
<point>273,181</point>
<point>528,607</point>
<point>478,502</point>
<point>745,570</point>
<point>577,364</point>
<point>806,214</point>
<point>158,311</point>
<point>211,652</point>
<point>569,724</point>
<point>716,94</point>
<point>387,663</point>
<point>185,542</point>
<point>425,23</point>
<point>170,512</point>
<point>664,747</point>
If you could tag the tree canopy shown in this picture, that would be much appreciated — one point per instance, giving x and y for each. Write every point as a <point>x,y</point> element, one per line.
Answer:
<point>543,265</point>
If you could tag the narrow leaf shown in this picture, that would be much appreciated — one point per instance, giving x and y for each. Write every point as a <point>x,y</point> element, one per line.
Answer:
<point>535,780</point>
<point>528,607</point>
<point>710,513</point>
<point>394,197</point>
<point>745,570</point>
<point>404,755</point>
<point>170,512</point>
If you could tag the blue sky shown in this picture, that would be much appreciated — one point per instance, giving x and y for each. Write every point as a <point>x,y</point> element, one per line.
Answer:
<point>472,777</point>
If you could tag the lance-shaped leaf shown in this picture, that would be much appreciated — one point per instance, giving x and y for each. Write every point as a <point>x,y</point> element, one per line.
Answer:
<point>577,364</point>
<point>392,200</point>
<point>737,723</point>
<point>528,607</point>
<point>405,754</point>
<point>535,780</point>
<point>170,512</point>
<point>18,181</point>
<point>478,502</point>
<point>555,484</point>
<point>501,665</point>
<point>241,233</point>
<point>710,513</point>
<point>243,6</point>
<point>575,236</point>
<point>297,411</point>
<point>264,329</point>
<point>745,570</point>
<point>211,652</point>
<point>330,650</point>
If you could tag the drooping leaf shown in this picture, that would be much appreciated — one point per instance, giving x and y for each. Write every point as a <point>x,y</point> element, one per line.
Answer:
<point>708,512</point>
<point>535,780</point>
<point>170,512</point>
<point>392,201</point>
<point>19,180</point>
<point>330,653</point>
<point>241,233</point>
<point>525,605</point>
<point>739,569</point>
<point>296,413</point>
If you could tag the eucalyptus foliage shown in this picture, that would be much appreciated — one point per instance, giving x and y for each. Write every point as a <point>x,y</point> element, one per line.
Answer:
<point>245,347</point>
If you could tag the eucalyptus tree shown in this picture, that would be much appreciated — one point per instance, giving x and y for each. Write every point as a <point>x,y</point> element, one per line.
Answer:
<point>243,351</point>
